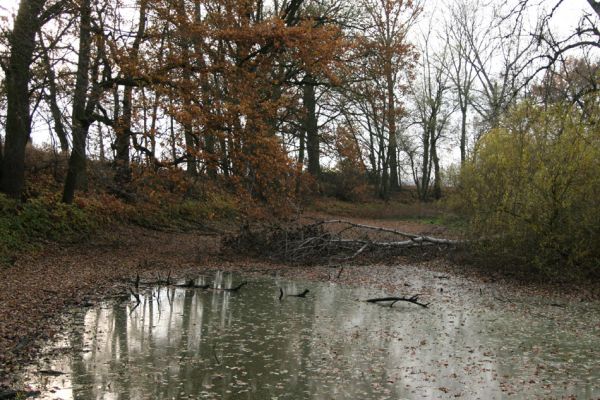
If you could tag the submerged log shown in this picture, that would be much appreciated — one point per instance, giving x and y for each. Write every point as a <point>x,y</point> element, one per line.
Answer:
<point>233,289</point>
<point>303,294</point>
<point>413,299</point>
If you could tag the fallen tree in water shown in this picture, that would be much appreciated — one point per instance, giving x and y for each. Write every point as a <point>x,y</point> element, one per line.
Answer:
<point>329,241</point>
<point>393,300</point>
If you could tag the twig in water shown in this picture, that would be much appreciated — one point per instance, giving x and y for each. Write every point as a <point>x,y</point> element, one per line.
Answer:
<point>303,294</point>
<point>215,354</point>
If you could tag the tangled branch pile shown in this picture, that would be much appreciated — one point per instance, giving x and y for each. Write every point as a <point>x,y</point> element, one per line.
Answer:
<point>329,241</point>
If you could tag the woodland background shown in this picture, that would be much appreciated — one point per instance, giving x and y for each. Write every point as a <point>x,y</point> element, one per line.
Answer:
<point>180,112</point>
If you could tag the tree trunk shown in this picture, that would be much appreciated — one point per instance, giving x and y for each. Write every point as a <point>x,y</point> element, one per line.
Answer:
<point>310,127</point>
<point>18,121</point>
<point>423,188</point>
<point>188,130</point>
<point>78,159</point>
<point>123,140</point>
<point>463,135</point>
<point>59,128</point>
<point>123,130</point>
<point>394,183</point>
<point>437,179</point>
<point>301,146</point>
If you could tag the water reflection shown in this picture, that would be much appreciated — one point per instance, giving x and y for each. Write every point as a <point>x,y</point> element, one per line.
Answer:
<point>180,343</point>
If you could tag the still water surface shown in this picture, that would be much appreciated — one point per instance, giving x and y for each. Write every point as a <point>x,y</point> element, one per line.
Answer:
<point>180,343</point>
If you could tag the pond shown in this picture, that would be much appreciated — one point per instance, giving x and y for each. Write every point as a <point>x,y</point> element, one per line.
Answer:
<point>182,343</point>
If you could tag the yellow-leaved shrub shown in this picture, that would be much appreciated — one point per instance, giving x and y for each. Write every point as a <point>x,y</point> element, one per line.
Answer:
<point>532,190</point>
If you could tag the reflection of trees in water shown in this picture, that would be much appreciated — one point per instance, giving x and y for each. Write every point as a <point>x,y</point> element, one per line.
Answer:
<point>187,341</point>
<point>80,379</point>
<point>327,346</point>
<point>120,358</point>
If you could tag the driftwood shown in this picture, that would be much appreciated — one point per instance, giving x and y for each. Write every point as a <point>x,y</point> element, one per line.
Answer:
<point>330,241</point>
<point>413,299</point>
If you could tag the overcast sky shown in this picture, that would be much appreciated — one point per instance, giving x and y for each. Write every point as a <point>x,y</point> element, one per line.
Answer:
<point>568,13</point>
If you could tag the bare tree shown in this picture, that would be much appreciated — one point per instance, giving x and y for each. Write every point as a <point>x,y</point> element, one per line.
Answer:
<point>557,48</point>
<point>460,71</point>
<point>390,55</point>
<point>501,53</point>
<point>88,90</point>
<point>432,111</point>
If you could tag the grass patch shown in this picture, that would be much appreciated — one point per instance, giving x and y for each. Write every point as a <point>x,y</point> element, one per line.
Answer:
<point>185,214</point>
<point>378,209</point>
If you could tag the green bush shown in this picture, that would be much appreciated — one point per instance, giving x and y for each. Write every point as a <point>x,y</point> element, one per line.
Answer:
<point>24,225</point>
<point>531,191</point>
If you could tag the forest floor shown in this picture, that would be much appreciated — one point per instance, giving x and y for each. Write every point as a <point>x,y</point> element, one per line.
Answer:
<point>39,287</point>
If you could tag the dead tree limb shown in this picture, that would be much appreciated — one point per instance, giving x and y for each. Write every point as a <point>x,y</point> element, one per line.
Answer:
<point>413,299</point>
<point>412,236</point>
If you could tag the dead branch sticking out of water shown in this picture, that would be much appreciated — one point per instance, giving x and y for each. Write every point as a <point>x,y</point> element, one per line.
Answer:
<point>135,295</point>
<point>158,282</point>
<point>301,295</point>
<point>214,349</point>
<point>413,299</point>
